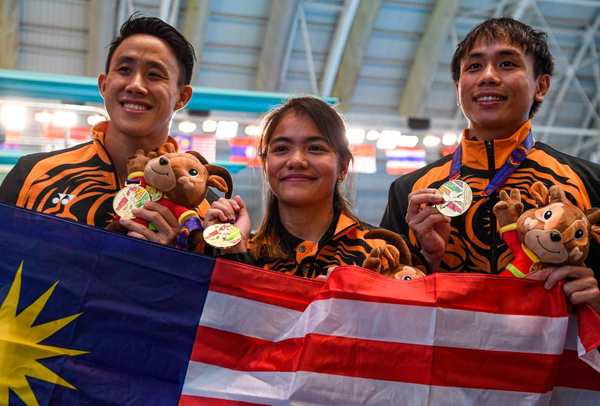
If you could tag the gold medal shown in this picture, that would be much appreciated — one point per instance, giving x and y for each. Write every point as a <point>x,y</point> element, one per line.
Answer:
<point>224,235</point>
<point>457,198</point>
<point>129,198</point>
<point>155,194</point>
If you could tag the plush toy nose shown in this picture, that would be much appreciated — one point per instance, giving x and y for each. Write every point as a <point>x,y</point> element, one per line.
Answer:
<point>163,161</point>
<point>554,236</point>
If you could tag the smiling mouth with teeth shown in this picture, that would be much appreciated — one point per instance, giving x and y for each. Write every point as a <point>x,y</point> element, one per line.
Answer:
<point>137,107</point>
<point>489,98</point>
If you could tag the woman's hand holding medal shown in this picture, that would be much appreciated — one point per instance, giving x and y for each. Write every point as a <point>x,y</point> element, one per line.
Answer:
<point>227,225</point>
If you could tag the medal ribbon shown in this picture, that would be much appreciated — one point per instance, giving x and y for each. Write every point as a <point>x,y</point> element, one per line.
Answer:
<point>512,162</point>
<point>191,224</point>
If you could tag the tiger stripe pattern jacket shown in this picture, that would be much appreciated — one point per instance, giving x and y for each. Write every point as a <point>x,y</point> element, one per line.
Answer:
<point>475,245</point>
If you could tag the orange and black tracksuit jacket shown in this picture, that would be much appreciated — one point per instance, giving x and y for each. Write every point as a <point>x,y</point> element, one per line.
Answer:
<point>475,244</point>
<point>77,183</point>
<point>342,244</point>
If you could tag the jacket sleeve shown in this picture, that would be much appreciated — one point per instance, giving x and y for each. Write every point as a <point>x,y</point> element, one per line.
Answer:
<point>13,183</point>
<point>395,211</point>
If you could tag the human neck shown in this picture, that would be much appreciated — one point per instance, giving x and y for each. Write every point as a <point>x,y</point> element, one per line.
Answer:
<point>120,147</point>
<point>491,133</point>
<point>306,223</point>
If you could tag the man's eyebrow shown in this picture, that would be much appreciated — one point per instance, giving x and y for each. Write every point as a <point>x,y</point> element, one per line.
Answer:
<point>125,59</point>
<point>502,52</point>
<point>150,64</point>
<point>473,55</point>
<point>157,65</point>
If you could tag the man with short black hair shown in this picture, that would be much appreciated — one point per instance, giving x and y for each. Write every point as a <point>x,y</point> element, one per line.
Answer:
<point>147,80</point>
<point>502,73</point>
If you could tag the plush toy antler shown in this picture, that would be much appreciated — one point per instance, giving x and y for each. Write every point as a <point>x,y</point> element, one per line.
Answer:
<point>393,259</point>
<point>556,232</point>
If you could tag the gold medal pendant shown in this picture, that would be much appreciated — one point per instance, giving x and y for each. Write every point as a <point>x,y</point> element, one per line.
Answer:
<point>129,198</point>
<point>224,235</point>
<point>457,198</point>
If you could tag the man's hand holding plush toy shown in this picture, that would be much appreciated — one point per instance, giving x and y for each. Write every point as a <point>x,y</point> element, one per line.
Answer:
<point>551,242</point>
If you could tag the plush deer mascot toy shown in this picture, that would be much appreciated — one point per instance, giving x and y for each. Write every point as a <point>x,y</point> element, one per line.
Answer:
<point>178,181</point>
<point>393,259</point>
<point>555,233</point>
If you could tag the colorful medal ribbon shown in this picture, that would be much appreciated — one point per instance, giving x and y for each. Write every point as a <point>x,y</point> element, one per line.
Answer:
<point>512,162</point>
<point>191,224</point>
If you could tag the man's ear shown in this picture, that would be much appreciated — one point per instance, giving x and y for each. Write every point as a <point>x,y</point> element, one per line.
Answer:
<point>543,85</point>
<point>185,95</point>
<point>102,83</point>
<point>457,96</point>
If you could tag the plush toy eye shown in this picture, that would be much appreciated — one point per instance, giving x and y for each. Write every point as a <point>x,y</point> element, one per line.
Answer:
<point>579,234</point>
<point>407,278</point>
<point>547,214</point>
<point>193,172</point>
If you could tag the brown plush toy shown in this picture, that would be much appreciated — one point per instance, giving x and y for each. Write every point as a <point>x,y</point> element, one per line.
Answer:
<point>393,259</point>
<point>555,232</point>
<point>178,181</point>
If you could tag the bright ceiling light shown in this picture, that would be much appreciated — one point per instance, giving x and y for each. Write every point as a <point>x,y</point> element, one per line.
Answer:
<point>226,129</point>
<point>449,139</point>
<point>373,135</point>
<point>43,117</point>
<point>209,126</point>
<point>388,139</point>
<point>13,117</point>
<point>355,135</point>
<point>186,126</point>
<point>95,119</point>
<point>252,130</point>
<point>408,141</point>
<point>431,140</point>
<point>64,119</point>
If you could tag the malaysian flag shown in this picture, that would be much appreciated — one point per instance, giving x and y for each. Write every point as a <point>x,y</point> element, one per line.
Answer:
<point>401,161</point>
<point>99,318</point>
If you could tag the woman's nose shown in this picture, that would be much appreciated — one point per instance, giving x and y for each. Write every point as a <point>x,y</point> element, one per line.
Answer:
<point>297,159</point>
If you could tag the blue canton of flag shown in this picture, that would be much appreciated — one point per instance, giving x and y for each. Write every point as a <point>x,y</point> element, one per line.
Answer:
<point>117,328</point>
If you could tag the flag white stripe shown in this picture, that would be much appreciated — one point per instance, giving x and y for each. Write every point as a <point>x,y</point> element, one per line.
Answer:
<point>574,397</point>
<point>211,381</point>
<point>248,317</point>
<point>386,322</point>
<point>274,388</point>
<point>405,164</point>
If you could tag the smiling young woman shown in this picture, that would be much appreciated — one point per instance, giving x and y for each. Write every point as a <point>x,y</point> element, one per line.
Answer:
<point>308,226</point>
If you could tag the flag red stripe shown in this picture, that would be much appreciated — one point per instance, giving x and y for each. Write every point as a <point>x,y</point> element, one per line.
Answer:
<point>482,293</point>
<point>380,360</point>
<point>485,293</point>
<point>187,400</point>
<point>263,286</point>
<point>574,373</point>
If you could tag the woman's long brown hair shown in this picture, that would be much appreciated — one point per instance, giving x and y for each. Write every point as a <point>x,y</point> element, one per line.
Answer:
<point>267,240</point>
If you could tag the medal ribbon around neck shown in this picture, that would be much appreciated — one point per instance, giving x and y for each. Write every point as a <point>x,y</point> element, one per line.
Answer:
<point>512,162</point>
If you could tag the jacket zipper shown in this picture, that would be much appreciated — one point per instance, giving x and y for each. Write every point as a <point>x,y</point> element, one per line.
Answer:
<point>489,146</point>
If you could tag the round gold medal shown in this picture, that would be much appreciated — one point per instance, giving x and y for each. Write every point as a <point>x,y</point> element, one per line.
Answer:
<point>224,235</point>
<point>129,198</point>
<point>457,198</point>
